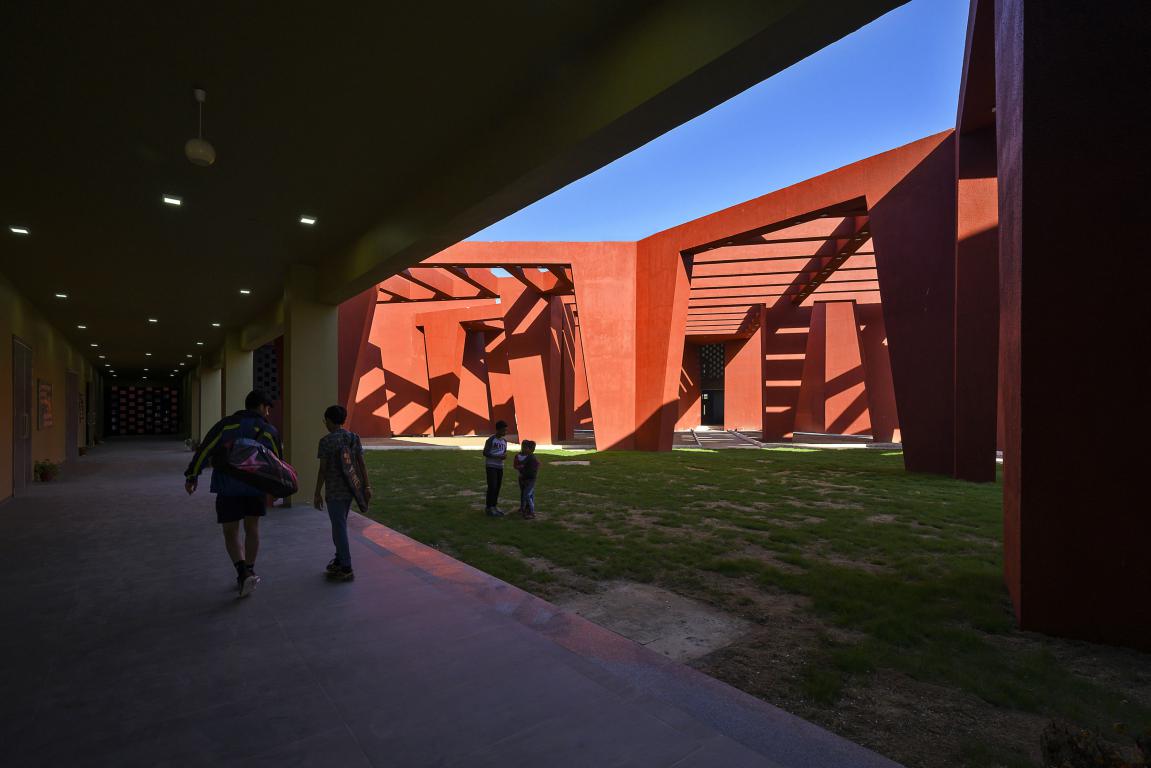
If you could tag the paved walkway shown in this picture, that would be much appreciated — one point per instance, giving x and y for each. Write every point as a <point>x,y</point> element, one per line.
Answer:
<point>121,644</point>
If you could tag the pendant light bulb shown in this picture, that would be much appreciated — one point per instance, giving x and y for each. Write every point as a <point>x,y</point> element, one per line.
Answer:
<point>199,150</point>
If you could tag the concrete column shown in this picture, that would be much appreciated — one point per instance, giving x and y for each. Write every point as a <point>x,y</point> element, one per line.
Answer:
<point>211,398</point>
<point>311,372</point>
<point>194,418</point>
<point>238,372</point>
<point>976,307</point>
<point>1076,528</point>
<point>744,380</point>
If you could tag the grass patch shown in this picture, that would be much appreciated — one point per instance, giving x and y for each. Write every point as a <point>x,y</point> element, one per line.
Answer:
<point>909,566</point>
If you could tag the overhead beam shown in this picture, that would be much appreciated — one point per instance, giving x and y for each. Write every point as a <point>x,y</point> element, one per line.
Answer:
<point>480,278</point>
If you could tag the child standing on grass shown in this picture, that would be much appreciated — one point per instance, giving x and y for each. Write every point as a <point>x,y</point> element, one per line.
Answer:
<point>495,451</point>
<point>528,466</point>
<point>342,479</point>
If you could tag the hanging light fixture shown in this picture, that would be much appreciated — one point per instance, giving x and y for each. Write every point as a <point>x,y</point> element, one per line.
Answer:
<point>199,150</point>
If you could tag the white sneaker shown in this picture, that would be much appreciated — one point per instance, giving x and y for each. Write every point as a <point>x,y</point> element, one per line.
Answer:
<point>248,584</point>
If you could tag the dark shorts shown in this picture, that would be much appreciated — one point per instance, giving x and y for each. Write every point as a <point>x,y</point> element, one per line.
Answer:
<point>231,509</point>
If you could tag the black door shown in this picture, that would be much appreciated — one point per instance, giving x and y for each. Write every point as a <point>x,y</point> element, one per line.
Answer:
<point>712,400</point>
<point>72,414</point>
<point>21,415</point>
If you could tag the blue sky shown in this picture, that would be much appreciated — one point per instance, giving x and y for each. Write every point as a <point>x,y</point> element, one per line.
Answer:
<point>892,82</point>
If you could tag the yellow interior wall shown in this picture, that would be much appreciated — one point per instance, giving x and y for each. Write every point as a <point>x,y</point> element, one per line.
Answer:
<point>52,357</point>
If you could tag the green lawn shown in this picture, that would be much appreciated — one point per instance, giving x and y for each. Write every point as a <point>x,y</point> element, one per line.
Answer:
<point>904,570</point>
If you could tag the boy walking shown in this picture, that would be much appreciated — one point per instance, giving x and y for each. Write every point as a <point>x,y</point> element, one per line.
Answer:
<point>495,451</point>
<point>528,466</point>
<point>342,474</point>
<point>237,501</point>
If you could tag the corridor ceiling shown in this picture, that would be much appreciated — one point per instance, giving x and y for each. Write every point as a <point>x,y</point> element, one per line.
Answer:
<point>403,128</point>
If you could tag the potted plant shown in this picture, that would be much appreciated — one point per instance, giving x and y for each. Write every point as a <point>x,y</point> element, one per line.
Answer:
<point>45,470</point>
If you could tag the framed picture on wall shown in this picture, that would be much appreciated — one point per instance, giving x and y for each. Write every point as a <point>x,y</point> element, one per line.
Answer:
<point>44,404</point>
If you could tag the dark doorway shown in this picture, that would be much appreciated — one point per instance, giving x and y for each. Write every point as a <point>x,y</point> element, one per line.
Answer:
<point>712,402</point>
<point>72,413</point>
<point>711,364</point>
<point>21,415</point>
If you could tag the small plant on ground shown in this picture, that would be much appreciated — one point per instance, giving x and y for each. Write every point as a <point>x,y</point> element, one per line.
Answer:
<point>45,470</point>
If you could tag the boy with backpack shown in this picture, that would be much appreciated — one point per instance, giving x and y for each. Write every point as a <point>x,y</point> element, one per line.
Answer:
<point>343,474</point>
<point>528,466</point>
<point>236,500</point>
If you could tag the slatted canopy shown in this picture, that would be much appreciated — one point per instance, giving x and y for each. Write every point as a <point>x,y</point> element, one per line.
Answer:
<point>823,254</point>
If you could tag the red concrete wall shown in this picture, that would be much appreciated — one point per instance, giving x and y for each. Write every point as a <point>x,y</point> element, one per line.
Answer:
<point>1069,144</point>
<point>532,325</point>
<point>743,381</point>
<point>605,285</point>
<point>444,340</point>
<point>786,337</point>
<point>355,317</point>
<point>500,392</point>
<point>473,403</point>
<point>877,374</point>
<point>809,410</point>
<point>910,194</point>
<point>913,227</point>
<point>690,404</point>
<point>846,410</point>
<point>662,286</point>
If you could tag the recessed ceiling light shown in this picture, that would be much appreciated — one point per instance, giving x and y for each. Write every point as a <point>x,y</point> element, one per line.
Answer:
<point>245,291</point>
<point>215,325</point>
<point>61,295</point>
<point>173,200</point>
<point>181,363</point>
<point>153,320</point>
<point>18,230</point>
<point>199,343</point>
<point>102,356</point>
<point>188,356</point>
<point>145,370</point>
<point>95,345</point>
<point>309,220</point>
<point>82,327</point>
<point>147,354</point>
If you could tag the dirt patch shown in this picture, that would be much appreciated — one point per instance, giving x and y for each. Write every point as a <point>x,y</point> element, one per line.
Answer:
<point>881,519</point>
<point>678,627</point>
<point>726,505</point>
<point>802,504</point>
<point>922,724</point>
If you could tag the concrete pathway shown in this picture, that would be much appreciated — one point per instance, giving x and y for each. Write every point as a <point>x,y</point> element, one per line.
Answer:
<point>122,644</point>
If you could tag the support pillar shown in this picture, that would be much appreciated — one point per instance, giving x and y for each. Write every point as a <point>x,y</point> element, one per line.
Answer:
<point>238,372</point>
<point>531,322</point>
<point>743,378</point>
<point>1076,528</point>
<point>663,284</point>
<point>194,406</point>
<point>444,341</point>
<point>846,409</point>
<point>689,391</point>
<point>211,398</point>
<point>913,229</point>
<point>311,372</point>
